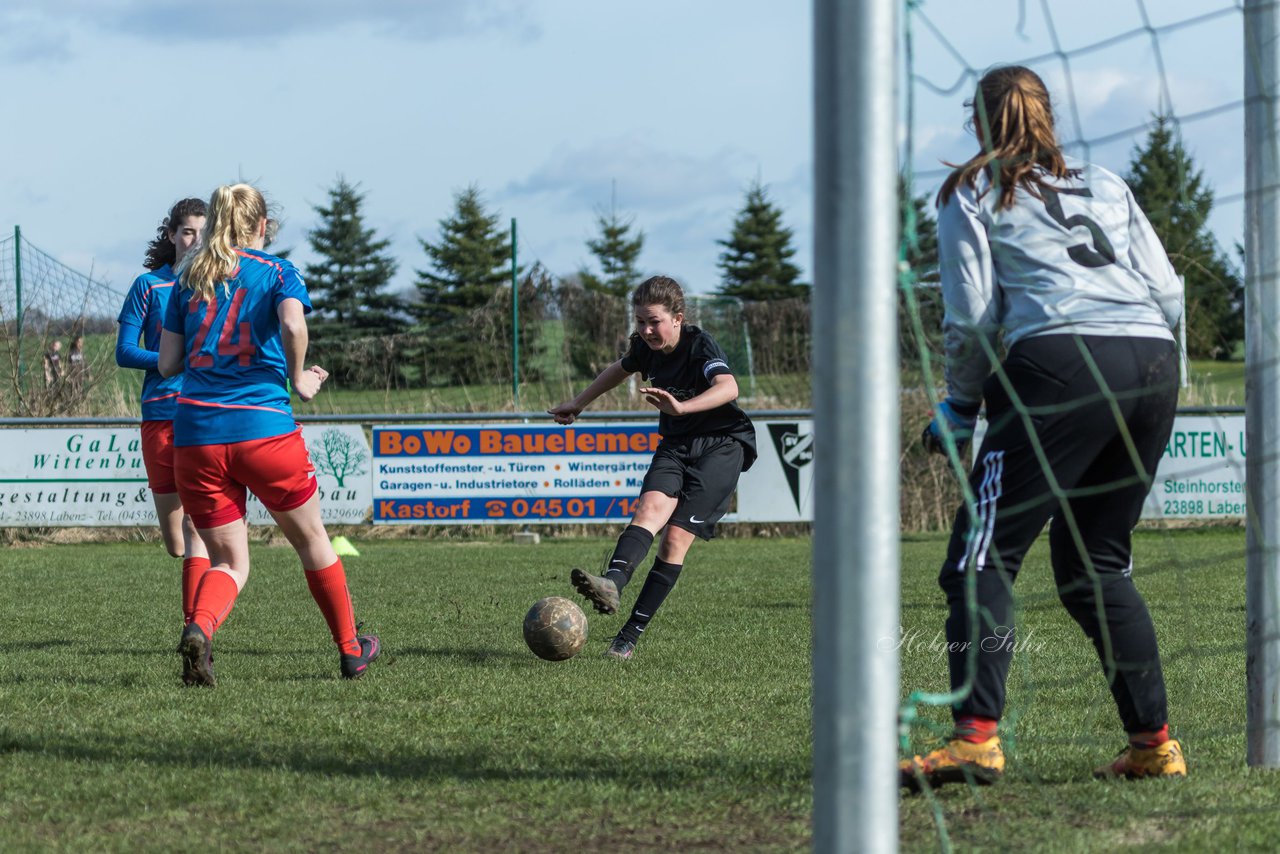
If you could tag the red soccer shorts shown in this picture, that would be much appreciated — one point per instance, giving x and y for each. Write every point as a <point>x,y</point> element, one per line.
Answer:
<point>213,479</point>
<point>157,456</point>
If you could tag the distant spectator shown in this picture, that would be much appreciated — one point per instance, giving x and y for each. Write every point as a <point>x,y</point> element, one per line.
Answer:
<point>77,368</point>
<point>53,364</point>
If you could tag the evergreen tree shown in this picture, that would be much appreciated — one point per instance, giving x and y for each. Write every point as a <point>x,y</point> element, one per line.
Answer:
<point>617,251</point>
<point>919,250</point>
<point>919,235</point>
<point>349,286</point>
<point>469,264</point>
<point>471,260</point>
<point>1177,200</point>
<point>756,263</point>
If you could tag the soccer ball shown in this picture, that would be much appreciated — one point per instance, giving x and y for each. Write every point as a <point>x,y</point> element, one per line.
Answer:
<point>555,628</point>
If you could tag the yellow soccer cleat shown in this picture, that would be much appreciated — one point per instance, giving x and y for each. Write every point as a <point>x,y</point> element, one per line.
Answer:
<point>959,761</point>
<point>1135,763</point>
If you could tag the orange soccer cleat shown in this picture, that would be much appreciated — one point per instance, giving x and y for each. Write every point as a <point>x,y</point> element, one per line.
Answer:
<point>1134,763</point>
<point>959,761</point>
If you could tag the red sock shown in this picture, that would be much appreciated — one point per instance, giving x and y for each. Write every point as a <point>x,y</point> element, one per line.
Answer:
<point>975,728</point>
<point>214,599</point>
<point>193,569</point>
<point>1148,740</point>
<point>329,589</point>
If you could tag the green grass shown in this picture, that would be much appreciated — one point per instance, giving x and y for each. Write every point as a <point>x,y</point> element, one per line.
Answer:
<point>114,391</point>
<point>1215,383</point>
<point>1061,721</point>
<point>458,740</point>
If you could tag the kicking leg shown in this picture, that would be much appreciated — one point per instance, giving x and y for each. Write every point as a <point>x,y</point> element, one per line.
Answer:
<point>605,592</point>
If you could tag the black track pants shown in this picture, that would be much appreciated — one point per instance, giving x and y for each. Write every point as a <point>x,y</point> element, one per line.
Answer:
<point>1077,425</point>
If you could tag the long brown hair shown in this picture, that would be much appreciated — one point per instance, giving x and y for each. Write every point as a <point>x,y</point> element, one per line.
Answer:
<point>234,214</point>
<point>1014,121</point>
<point>161,250</point>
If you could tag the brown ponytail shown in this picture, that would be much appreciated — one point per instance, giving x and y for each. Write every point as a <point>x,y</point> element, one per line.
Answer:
<point>1014,121</point>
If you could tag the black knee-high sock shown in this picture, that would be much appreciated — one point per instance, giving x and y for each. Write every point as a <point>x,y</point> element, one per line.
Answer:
<point>632,546</point>
<point>657,584</point>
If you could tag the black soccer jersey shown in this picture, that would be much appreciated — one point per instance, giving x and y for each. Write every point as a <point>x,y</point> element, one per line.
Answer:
<point>686,372</point>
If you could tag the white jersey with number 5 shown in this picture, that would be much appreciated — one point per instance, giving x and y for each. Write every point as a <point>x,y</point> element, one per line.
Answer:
<point>1080,259</point>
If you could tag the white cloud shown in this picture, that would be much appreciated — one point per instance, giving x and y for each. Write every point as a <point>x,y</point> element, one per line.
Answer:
<point>648,178</point>
<point>37,29</point>
<point>29,37</point>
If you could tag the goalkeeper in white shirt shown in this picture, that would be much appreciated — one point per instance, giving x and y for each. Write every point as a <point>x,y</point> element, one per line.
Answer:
<point>1054,255</point>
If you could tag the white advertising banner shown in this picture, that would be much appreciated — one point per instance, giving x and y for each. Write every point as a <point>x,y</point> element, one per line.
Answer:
<point>509,473</point>
<point>779,487</point>
<point>94,476</point>
<point>519,473</point>
<point>1201,474</point>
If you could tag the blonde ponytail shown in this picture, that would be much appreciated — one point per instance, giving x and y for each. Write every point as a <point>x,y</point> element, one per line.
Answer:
<point>233,217</point>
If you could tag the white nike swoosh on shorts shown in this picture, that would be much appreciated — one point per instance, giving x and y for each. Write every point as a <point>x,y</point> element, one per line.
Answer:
<point>695,520</point>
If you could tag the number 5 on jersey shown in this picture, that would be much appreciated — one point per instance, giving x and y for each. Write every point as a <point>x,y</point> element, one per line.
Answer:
<point>1102,253</point>
<point>243,347</point>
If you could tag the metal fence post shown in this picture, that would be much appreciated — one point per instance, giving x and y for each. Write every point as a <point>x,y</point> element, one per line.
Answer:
<point>1262,383</point>
<point>856,401</point>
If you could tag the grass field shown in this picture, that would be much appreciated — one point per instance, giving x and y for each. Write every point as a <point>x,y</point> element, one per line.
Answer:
<point>113,391</point>
<point>1061,721</point>
<point>460,740</point>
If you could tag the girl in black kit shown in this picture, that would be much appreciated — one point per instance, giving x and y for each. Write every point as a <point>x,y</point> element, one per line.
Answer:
<point>707,441</point>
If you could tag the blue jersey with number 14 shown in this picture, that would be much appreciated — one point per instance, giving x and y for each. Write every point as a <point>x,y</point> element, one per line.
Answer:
<point>234,376</point>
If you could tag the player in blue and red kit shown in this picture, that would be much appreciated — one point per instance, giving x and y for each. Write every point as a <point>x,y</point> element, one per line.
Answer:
<point>138,346</point>
<point>237,332</point>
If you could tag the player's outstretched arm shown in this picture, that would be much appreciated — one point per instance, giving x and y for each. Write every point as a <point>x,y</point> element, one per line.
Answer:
<point>611,377</point>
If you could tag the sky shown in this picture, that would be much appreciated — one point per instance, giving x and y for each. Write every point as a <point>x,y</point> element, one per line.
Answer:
<point>556,110</point>
<point>1110,65</point>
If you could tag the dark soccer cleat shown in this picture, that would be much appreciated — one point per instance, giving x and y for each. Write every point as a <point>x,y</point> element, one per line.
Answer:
<point>354,666</point>
<point>620,648</point>
<point>601,592</point>
<point>197,657</point>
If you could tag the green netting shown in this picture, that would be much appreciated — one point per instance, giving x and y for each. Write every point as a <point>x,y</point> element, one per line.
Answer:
<point>43,301</point>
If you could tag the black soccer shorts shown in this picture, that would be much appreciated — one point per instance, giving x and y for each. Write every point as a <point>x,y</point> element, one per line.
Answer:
<point>702,472</point>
